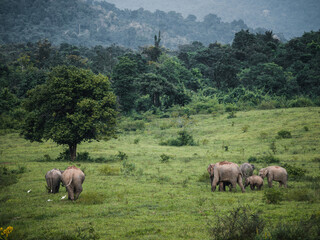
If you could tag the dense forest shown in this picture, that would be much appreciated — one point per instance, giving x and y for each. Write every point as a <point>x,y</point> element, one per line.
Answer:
<point>290,17</point>
<point>90,23</point>
<point>255,71</point>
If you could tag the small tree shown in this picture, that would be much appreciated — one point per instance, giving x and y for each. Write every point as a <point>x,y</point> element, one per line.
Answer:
<point>74,105</point>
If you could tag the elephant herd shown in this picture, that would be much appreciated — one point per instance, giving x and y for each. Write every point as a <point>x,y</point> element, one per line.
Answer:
<point>72,178</point>
<point>222,173</point>
<point>229,174</point>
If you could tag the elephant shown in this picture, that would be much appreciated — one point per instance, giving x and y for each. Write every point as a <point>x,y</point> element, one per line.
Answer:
<point>53,178</point>
<point>73,179</point>
<point>246,170</point>
<point>254,181</point>
<point>222,185</point>
<point>275,173</point>
<point>223,172</point>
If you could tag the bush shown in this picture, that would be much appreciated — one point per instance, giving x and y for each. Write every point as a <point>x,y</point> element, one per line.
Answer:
<point>300,102</point>
<point>183,139</point>
<point>164,158</point>
<point>273,195</point>
<point>304,229</point>
<point>241,223</point>
<point>284,134</point>
<point>269,159</point>
<point>128,169</point>
<point>294,172</point>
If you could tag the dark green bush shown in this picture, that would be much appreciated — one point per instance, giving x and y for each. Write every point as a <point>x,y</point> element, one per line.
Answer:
<point>294,172</point>
<point>301,102</point>
<point>269,159</point>
<point>252,160</point>
<point>128,169</point>
<point>273,195</point>
<point>241,223</point>
<point>184,139</point>
<point>308,229</point>
<point>164,158</point>
<point>284,134</point>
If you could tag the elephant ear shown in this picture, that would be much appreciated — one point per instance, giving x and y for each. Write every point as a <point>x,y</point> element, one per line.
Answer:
<point>210,169</point>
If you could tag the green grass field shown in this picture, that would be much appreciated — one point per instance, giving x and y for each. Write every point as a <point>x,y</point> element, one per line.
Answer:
<point>153,199</point>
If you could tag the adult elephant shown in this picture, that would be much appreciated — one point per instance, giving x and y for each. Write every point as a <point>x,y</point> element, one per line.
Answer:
<point>222,185</point>
<point>53,178</point>
<point>223,172</point>
<point>246,170</point>
<point>72,179</point>
<point>275,173</point>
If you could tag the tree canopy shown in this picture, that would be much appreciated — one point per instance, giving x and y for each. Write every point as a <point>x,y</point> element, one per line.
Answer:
<point>72,106</point>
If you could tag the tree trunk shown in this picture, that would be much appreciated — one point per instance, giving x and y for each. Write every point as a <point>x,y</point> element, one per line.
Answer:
<point>73,151</point>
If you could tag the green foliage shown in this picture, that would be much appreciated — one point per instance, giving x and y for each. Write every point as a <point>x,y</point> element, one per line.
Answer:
<point>301,195</point>
<point>294,172</point>
<point>74,105</point>
<point>10,176</point>
<point>128,169</point>
<point>304,229</point>
<point>131,125</point>
<point>273,195</point>
<point>284,134</point>
<point>184,139</point>
<point>239,223</point>
<point>268,159</point>
<point>164,158</point>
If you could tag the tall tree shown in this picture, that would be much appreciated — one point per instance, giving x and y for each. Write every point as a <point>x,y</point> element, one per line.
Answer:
<point>74,105</point>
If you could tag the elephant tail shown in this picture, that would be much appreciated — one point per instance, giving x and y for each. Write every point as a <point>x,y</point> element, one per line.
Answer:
<point>69,182</point>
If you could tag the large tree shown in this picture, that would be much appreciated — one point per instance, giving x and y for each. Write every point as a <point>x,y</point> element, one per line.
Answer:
<point>74,105</point>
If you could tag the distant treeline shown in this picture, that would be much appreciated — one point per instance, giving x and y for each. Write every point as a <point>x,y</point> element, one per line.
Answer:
<point>90,23</point>
<point>255,71</point>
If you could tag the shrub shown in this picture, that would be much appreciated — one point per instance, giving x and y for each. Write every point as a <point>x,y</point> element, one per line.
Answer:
<point>301,102</point>
<point>269,159</point>
<point>306,128</point>
<point>284,134</point>
<point>300,195</point>
<point>164,158</point>
<point>304,229</point>
<point>252,159</point>
<point>241,223</point>
<point>128,169</point>
<point>232,115</point>
<point>273,195</point>
<point>184,139</point>
<point>294,172</point>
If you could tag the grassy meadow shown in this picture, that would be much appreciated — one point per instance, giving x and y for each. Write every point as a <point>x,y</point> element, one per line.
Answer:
<point>161,191</point>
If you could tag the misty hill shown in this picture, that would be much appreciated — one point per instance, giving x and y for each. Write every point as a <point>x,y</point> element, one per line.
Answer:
<point>90,23</point>
<point>290,17</point>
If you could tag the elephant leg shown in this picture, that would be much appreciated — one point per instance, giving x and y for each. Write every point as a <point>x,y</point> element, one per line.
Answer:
<point>252,187</point>
<point>213,186</point>
<point>240,183</point>
<point>78,190</point>
<point>70,190</point>
<point>221,187</point>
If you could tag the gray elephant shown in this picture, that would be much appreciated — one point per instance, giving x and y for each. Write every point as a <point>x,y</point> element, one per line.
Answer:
<point>73,179</point>
<point>246,170</point>
<point>53,178</point>
<point>222,185</point>
<point>275,173</point>
<point>254,181</point>
<point>223,172</point>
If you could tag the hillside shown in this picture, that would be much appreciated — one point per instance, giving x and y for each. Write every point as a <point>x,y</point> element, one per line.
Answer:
<point>290,17</point>
<point>140,189</point>
<point>90,23</point>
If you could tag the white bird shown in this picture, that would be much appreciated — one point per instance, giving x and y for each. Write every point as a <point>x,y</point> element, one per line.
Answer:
<point>29,191</point>
<point>63,197</point>
<point>49,200</point>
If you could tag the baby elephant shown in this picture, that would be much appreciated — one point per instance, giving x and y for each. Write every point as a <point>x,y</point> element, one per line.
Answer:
<point>53,178</point>
<point>254,181</point>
